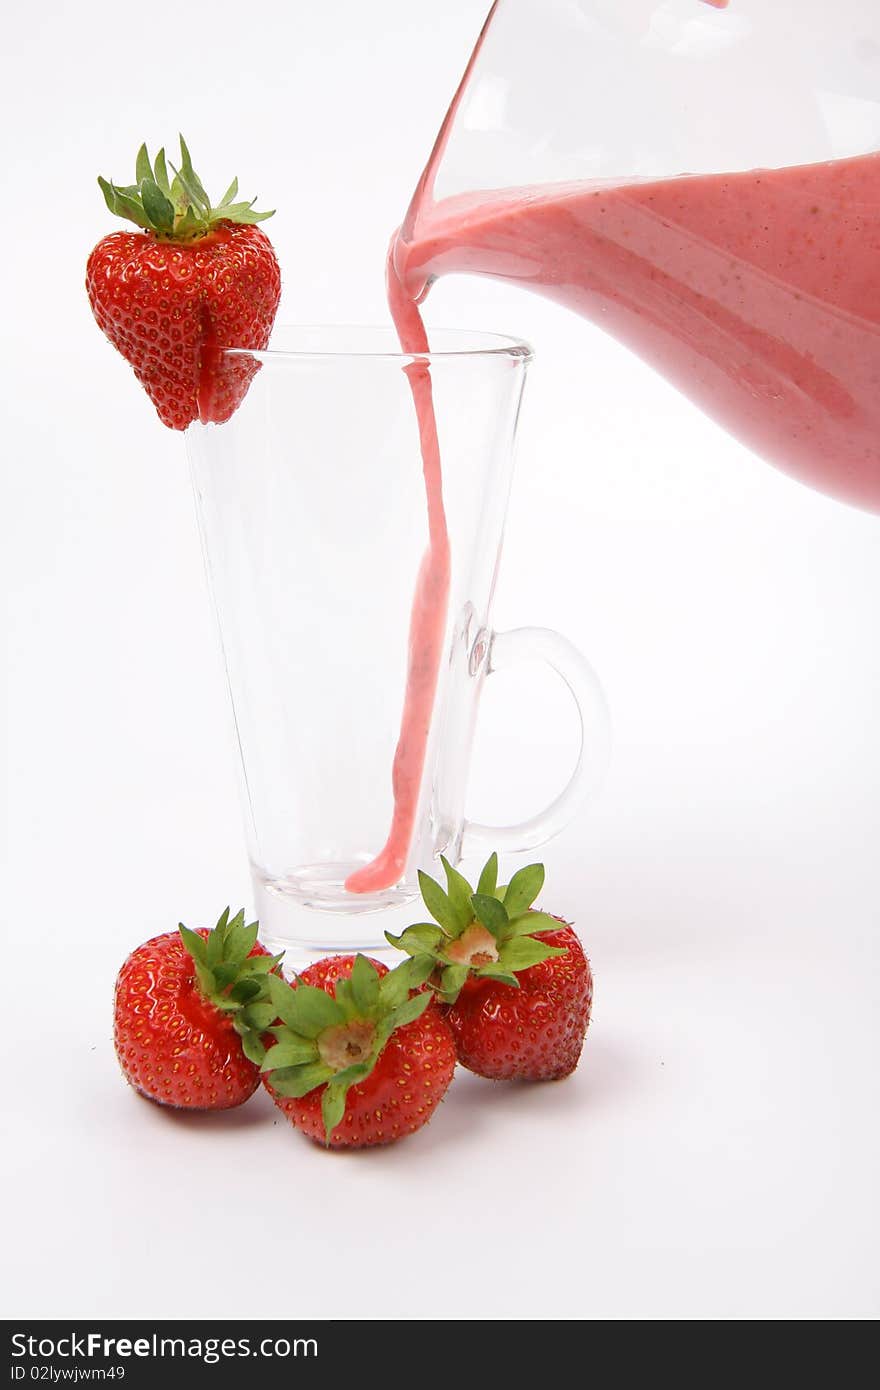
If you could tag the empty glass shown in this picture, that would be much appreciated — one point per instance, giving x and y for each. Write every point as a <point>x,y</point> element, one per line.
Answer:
<point>312,509</point>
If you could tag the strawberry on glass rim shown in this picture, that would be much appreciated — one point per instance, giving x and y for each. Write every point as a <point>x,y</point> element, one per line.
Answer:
<point>194,280</point>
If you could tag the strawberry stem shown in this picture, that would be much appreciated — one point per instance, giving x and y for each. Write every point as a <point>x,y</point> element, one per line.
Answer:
<point>178,209</point>
<point>493,933</point>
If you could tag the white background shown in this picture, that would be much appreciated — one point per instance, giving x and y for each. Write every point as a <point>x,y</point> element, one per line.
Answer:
<point>716,1153</point>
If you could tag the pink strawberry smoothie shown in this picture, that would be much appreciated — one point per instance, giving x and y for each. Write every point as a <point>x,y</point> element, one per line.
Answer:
<point>756,294</point>
<point>428,620</point>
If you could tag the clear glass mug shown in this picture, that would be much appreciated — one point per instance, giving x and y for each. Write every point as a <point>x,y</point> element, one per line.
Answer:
<point>715,174</point>
<point>311,506</point>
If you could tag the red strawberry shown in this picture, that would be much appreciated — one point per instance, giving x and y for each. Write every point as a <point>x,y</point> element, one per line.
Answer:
<point>195,280</point>
<point>358,1058</point>
<point>185,1007</point>
<point>517,982</point>
<point>535,1032</point>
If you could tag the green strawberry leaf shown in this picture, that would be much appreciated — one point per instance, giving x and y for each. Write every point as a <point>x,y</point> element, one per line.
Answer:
<point>237,210</point>
<point>488,881</point>
<point>394,988</point>
<point>143,167</point>
<point>364,983</point>
<point>522,952</point>
<point>333,1107</point>
<point>343,996</point>
<point>409,1010</point>
<point>252,1047</point>
<point>496,971</point>
<point>420,969</point>
<point>215,948</point>
<point>405,1013</point>
<point>232,924</point>
<point>293,1052</point>
<point>356,1072</point>
<point>532,922</point>
<point>188,222</point>
<point>159,209</point>
<point>161,173</point>
<point>179,210</point>
<point>313,1010</point>
<point>246,219</point>
<point>421,936</point>
<point>123,204</point>
<point>523,888</point>
<point>491,913</point>
<point>235,984</point>
<point>225,974</point>
<point>459,893</point>
<point>451,980</point>
<point>223,1002</point>
<point>191,181</point>
<point>282,995</point>
<point>296,1082</point>
<point>194,943</point>
<point>438,905</point>
<point>259,965</point>
<point>244,990</point>
<point>260,1015</point>
<point>240,940</point>
<point>189,192</point>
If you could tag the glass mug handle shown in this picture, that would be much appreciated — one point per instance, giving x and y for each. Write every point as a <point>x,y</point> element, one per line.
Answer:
<point>504,649</point>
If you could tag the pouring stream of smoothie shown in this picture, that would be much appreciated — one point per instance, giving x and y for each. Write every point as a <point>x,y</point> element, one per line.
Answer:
<point>755,293</point>
<point>428,620</point>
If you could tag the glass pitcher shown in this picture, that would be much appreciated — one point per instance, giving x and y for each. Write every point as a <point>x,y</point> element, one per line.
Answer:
<point>700,178</point>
